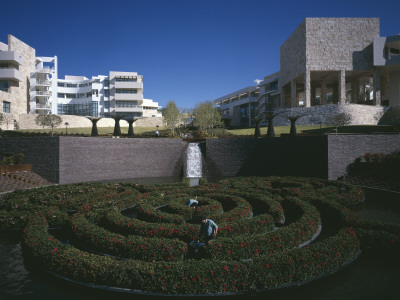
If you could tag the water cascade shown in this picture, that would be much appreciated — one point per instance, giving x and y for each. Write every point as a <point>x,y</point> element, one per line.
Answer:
<point>194,168</point>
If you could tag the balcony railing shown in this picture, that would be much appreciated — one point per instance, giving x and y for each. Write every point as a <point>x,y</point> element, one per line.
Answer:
<point>43,93</point>
<point>43,106</point>
<point>44,70</point>
<point>42,82</point>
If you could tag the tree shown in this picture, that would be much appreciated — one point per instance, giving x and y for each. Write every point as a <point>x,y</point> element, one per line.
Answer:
<point>7,119</point>
<point>207,116</point>
<point>171,116</point>
<point>41,120</point>
<point>51,121</point>
<point>339,120</point>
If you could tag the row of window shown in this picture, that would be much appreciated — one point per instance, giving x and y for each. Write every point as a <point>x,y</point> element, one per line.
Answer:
<point>118,91</point>
<point>81,95</point>
<point>127,104</point>
<point>73,96</point>
<point>123,79</point>
<point>79,109</point>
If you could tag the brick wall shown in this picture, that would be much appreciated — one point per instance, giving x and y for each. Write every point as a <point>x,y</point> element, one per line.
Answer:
<point>94,159</point>
<point>296,156</point>
<point>344,149</point>
<point>41,152</point>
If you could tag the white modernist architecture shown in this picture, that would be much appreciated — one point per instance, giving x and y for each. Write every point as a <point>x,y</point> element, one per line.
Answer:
<point>30,84</point>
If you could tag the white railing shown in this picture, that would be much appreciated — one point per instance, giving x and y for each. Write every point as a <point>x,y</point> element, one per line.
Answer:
<point>43,82</point>
<point>43,93</point>
<point>43,106</point>
<point>44,70</point>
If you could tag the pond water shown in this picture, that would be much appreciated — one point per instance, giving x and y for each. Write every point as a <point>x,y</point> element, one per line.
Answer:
<point>374,275</point>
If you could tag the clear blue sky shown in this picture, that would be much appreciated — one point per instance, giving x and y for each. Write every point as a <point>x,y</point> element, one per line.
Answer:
<point>187,51</point>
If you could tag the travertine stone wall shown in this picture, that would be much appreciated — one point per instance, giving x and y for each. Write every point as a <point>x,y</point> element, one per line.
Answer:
<point>361,114</point>
<point>293,55</point>
<point>19,96</point>
<point>340,43</point>
<point>328,44</point>
<point>27,121</point>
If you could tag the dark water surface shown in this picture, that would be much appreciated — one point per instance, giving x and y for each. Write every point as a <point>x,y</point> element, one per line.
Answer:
<point>374,275</point>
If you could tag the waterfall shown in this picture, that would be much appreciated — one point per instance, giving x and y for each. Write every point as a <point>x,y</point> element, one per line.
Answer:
<point>194,167</point>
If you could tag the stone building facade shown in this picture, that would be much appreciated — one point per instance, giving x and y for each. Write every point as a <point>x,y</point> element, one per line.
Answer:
<point>326,54</point>
<point>331,61</point>
<point>17,61</point>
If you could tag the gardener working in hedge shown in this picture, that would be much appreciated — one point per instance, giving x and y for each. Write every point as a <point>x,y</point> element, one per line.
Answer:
<point>193,203</point>
<point>208,230</point>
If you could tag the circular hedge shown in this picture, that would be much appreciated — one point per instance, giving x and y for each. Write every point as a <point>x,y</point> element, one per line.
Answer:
<point>273,232</point>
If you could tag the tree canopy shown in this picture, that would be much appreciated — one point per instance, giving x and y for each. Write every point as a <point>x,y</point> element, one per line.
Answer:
<point>48,121</point>
<point>171,116</point>
<point>207,116</point>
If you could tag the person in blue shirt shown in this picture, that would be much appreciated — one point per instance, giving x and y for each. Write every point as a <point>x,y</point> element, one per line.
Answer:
<point>208,230</point>
<point>193,203</point>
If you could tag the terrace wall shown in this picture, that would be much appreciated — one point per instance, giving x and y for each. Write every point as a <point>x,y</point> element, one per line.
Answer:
<point>78,159</point>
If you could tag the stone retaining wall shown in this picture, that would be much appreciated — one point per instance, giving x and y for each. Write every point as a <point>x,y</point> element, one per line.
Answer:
<point>27,121</point>
<point>94,159</point>
<point>83,159</point>
<point>360,114</point>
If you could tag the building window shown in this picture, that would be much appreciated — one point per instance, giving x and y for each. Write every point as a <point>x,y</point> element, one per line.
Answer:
<point>60,84</point>
<point>88,95</point>
<point>72,85</point>
<point>106,93</point>
<point>106,82</point>
<point>4,85</point>
<point>60,95</point>
<point>95,108</point>
<point>71,96</point>
<point>6,107</point>
<point>106,104</point>
<point>126,91</point>
<point>127,104</point>
<point>123,79</point>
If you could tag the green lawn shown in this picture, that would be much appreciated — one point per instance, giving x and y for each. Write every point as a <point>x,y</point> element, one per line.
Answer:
<point>315,129</point>
<point>278,130</point>
<point>149,131</point>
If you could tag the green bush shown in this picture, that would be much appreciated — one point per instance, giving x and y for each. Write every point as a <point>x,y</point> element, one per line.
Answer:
<point>265,237</point>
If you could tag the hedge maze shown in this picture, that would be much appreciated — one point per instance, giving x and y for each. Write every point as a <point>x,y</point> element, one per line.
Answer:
<point>273,232</point>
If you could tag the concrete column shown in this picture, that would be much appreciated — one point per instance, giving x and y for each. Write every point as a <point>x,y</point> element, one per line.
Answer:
<point>283,100</point>
<point>293,100</point>
<point>342,87</point>
<point>354,91</point>
<point>377,87</point>
<point>249,112</point>
<point>313,93</point>
<point>307,88</point>
<point>323,92</point>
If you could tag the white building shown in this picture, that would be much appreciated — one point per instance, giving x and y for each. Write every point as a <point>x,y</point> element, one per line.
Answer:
<point>119,94</point>
<point>30,84</point>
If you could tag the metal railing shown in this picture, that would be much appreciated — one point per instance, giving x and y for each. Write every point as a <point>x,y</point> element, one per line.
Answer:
<point>45,106</point>
<point>43,93</point>
<point>43,82</point>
